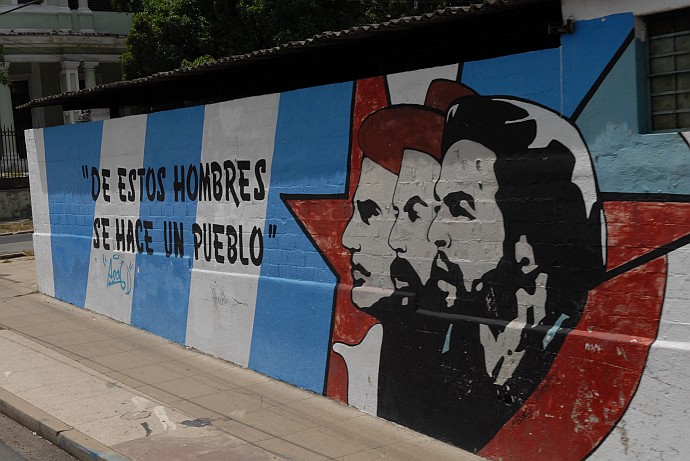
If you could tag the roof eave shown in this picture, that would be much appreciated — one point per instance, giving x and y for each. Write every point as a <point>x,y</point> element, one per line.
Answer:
<point>356,48</point>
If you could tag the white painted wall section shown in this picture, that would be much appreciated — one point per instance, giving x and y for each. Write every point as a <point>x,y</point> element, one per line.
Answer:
<point>579,10</point>
<point>363,369</point>
<point>222,297</point>
<point>111,272</point>
<point>411,87</point>
<point>36,157</point>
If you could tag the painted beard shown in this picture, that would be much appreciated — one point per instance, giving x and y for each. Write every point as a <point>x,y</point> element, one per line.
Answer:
<point>405,279</point>
<point>491,300</point>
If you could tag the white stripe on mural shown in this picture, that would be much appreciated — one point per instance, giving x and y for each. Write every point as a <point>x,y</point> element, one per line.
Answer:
<point>363,369</point>
<point>111,270</point>
<point>238,146</point>
<point>411,87</point>
<point>36,157</point>
<point>657,416</point>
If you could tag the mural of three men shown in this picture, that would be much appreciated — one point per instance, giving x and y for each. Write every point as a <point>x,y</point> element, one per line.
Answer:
<point>475,238</point>
<point>436,253</point>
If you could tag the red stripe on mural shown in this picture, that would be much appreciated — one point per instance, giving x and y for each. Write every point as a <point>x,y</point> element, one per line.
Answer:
<point>636,228</point>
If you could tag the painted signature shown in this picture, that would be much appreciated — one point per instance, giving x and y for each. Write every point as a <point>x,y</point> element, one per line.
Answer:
<point>119,272</point>
<point>219,298</point>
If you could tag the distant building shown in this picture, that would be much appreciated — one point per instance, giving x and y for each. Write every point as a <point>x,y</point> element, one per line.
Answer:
<point>55,47</point>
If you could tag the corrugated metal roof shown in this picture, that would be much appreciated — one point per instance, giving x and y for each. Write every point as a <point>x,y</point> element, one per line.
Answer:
<point>319,40</point>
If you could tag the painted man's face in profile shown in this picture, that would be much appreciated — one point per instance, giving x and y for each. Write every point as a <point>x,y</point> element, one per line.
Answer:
<point>468,228</point>
<point>366,235</point>
<point>469,232</point>
<point>414,206</point>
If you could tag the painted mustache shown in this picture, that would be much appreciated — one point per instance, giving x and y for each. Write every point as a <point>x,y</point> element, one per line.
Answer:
<point>359,274</point>
<point>404,277</point>
<point>444,270</point>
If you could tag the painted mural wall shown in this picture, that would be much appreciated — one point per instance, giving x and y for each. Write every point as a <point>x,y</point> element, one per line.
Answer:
<point>491,253</point>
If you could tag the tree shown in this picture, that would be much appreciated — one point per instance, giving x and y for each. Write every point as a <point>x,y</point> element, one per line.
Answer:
<point>167,34</point>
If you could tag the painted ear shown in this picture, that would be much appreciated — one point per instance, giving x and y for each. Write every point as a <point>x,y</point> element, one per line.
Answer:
<point>524,255</point>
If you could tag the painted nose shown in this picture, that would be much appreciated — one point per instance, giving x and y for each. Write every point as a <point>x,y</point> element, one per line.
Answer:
<point>396,242</point>
<point>349,241</point>
<point>436,235</point>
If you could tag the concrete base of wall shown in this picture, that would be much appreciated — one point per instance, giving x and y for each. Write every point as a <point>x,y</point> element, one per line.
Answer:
<point>15,204</point>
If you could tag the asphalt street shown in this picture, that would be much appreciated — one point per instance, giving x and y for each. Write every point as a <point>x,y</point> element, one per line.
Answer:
<point>17,243</point>
<point>17,443</point>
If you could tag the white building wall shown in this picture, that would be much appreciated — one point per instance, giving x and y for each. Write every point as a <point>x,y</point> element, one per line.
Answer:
<point>579,10</point>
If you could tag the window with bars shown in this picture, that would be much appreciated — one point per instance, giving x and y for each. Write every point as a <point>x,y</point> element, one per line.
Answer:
<point>669,70</point>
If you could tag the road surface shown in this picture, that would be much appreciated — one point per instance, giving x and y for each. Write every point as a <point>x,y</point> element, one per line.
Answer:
<point>17,443</point>
<point>17,243</point>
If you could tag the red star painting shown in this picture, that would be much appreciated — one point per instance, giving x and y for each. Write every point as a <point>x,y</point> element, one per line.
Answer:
<point>590,374</point>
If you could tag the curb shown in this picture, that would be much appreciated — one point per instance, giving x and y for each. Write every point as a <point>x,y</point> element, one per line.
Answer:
<point>12,256</point>
<point>5,234</point>
<point>74,442</point>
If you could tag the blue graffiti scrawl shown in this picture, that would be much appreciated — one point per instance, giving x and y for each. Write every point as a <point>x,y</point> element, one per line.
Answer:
<point>120,272</point>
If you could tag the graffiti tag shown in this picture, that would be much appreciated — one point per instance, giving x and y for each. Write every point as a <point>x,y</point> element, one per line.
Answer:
<point>219,298</point>
<point>119,272</point>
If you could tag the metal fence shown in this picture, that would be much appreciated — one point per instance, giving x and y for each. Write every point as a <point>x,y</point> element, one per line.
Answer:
<point>100,5</point>
<point>94,5</point>
<point>12,154</point>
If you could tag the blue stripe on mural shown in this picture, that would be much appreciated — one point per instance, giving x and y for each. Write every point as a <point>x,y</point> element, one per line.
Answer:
<point>295,298</point>
<point>588,52</point>
<point>536,75</point>
<point>71,207</point>
<point>161,284</point>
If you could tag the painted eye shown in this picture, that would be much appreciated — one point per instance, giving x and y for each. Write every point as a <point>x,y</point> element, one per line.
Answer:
<point>367,209</point>
<point>459,204</point>
<point>409,208</point>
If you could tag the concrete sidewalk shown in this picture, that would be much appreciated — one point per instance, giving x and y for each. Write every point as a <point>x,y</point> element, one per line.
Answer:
<point>105,390</point>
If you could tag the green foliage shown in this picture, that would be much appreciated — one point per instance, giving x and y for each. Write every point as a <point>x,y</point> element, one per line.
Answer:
<point>198,61</point>
<point>129,6</point>
<point>4,75</point>
<point>167,34</point>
